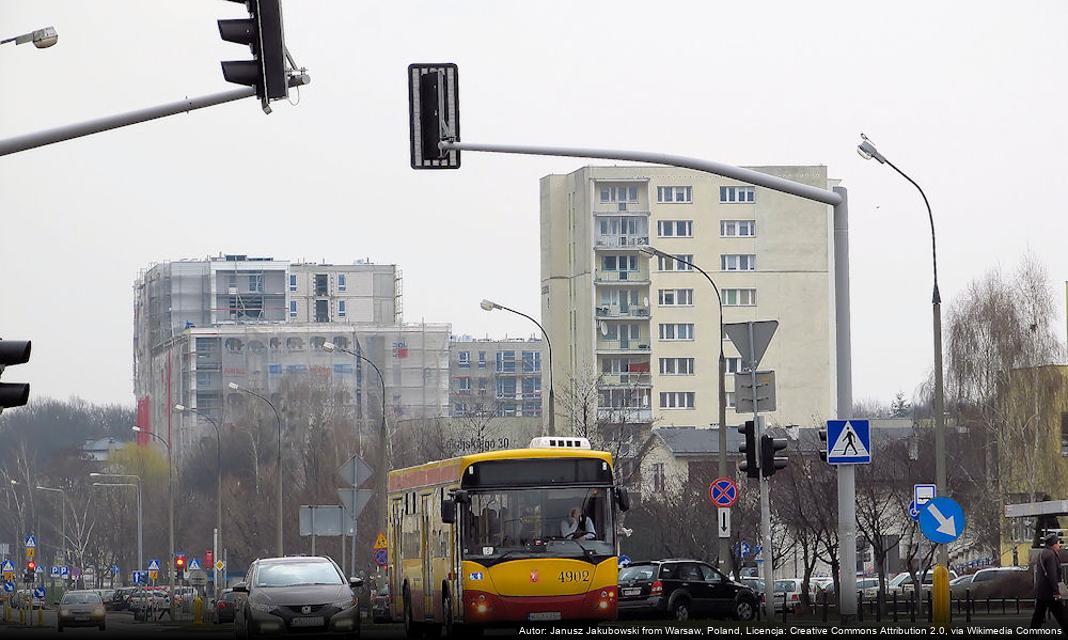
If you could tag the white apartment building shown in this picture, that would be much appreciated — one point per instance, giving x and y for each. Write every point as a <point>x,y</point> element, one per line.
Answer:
<point>647,329</point>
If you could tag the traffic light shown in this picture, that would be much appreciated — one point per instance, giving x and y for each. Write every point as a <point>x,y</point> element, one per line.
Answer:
<point>31,572</point>
<point>823,445</point>
<point>179,565</point>
<point>769,462</point>
<point>433,114</point>
<point>13,352</point>
<point>749,448</point>
<point>262,32</point>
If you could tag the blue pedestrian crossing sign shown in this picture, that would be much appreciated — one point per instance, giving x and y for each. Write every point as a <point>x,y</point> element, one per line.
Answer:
<point>7,566</point>
<point>942,520</point>
<point>31,541</point>
<point>153,565</point>
<point>848,442</point>
<point>194,564</point>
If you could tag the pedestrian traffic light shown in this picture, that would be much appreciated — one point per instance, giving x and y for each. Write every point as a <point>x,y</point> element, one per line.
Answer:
<point>179,565</point>
<point>769,462</point>
<point>749,448</point>
<point>823,445</point>
<point>262,32</point>
<point>13,352</point>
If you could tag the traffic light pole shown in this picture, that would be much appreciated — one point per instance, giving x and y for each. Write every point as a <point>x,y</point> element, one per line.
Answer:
<point>107,123</point>
<point>765,494</point>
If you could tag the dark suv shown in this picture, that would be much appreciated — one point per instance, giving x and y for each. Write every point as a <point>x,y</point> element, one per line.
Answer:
<point>683,589</point>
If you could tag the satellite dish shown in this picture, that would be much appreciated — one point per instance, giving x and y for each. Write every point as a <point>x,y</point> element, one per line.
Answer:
<point>604,328</point>
<point>645,301</point>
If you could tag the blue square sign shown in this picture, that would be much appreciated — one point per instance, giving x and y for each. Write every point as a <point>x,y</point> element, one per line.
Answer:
<point>848,442</point>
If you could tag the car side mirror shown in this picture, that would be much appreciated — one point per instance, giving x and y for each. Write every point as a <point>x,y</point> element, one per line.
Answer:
<point>448,511</point>
<point>622,498</point>
<point>355,582</point>
<point>241,587</point>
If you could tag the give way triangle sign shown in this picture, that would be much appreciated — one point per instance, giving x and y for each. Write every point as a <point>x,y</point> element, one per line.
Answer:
<point>751,339</point>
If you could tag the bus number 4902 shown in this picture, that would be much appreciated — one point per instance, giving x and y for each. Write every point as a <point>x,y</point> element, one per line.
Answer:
<point>574,576</point>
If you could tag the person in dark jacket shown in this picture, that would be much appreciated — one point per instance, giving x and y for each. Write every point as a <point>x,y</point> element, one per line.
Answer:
<point>1047,580</point>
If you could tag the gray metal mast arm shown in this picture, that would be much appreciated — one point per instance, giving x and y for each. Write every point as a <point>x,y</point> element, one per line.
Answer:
<point>729,171</point>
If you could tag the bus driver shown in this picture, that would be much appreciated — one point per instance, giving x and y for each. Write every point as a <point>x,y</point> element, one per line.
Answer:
<point>575,526</point>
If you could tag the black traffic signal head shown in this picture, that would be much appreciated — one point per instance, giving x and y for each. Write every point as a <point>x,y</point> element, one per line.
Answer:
<point>262,32</point>
<point>823,445</point>
<point>433,114</point>
<point>769,462</point>
<point>13,352</point>
<point>749,448</point>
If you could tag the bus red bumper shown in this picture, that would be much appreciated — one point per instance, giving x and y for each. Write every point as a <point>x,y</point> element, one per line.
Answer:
<point>488,608</point>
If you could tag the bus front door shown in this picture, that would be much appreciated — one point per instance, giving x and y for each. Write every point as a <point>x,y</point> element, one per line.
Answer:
<point>428,587</point>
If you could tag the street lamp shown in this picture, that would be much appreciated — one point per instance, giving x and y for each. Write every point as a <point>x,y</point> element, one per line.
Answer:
<point>218,495</point>
<point>41,38</point>
<point>140,519</point>
<point>330,347</point>
<point>278,418</point>
<point>170,492</point>
<point>868,151</point>
<point>63,517</point>
<point>489,305</point>
<point>724,543</point>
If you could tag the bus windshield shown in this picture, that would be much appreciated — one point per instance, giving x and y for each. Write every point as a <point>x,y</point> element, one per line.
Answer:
<point>568,522</point>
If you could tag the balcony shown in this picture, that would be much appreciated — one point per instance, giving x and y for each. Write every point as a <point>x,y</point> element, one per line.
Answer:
<point>614,311</point>
<point>631,379</point>
<point>622,415</point>
<point>619,347</point>
<point>621,277</point>
<point>621,241</point>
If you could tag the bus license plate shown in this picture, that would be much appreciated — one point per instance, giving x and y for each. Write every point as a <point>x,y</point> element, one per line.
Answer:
<point>307,622</point>
<point>544,615</point>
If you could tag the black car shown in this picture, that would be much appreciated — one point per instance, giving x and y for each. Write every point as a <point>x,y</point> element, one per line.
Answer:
<point>683,589</point>
<point>305,594</point>
<point>225,606</point>
<point>119,599</point>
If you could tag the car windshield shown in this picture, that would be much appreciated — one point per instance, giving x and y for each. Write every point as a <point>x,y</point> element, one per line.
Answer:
<point>289,574</point>
<point>637,572</point>
<point>566,522</point>
<point>81,598</point>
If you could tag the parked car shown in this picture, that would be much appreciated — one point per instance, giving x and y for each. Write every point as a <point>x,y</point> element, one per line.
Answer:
<point>683,589</point>
<point>1004,582</point>
<point>869,587</point>
<point>317,596</point>
<point>787,593</point>
<point>902,582</point>
<point>958,586</point>
<point>119,599</point>
<point>380,604</point>
<point>81,609</point>
<point>224,606</point>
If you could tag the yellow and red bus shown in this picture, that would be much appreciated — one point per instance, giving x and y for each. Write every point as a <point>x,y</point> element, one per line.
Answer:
<point>504,538</point>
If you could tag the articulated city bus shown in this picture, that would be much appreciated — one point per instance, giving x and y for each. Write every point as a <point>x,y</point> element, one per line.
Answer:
<point>505,538</point>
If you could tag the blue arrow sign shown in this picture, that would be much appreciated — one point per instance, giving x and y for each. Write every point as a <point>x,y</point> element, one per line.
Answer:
<point>848,442</point>
<point>39,592</point>
<point>942,520</point>
<point>624,560</point>
<point>9,587</point>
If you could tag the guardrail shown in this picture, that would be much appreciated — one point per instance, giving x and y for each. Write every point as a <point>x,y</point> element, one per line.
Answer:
<point>912,609</point>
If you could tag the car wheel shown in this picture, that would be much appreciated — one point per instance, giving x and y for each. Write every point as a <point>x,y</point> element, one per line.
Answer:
<point>744,610</point>
<point>446,613</point>
<point>103,627</point>
<point>681,610</point>
<point>59,628</point>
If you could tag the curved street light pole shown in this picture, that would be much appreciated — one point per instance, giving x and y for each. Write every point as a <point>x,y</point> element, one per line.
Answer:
<point>140,518</point>
<point>330,346</point>
<point>868,151</point>
<point>278,418</point>
<point>63,518</point>
<point>218,491</point>
<point>170,492</point>
<point>489,305</point>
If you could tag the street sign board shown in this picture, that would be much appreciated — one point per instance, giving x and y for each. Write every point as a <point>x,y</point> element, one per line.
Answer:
<point>723,492</point>
<point>31,552</point>
<point>381,557</point>
<point>744,549</point>
<point>942,520</point>
<point>31,541</point>
<point>355,471</point>
<point>848,442</point>
<point>198,577</point>
<point>194,565</point>
<point>751,350</point>
<point>9,587</point>
<point>433,114</point>
<point>7,566</point>
<point>153,565</point>
<point>139,577</point>
<point>321,519</point>
<point>724,528</point>
<point>765,393</point>
<point>380,541</point>
<point>924,493</point>
<point>153,575</point>
<point>354,501</point>
<point>115,570</point>
<point>39,592</point>
<point>914,511</point>
<point>54,572</point>
<point>219,565</point>
<point>64,571</point>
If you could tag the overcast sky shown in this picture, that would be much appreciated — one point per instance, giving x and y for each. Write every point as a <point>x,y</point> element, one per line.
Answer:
<point>968,98</point>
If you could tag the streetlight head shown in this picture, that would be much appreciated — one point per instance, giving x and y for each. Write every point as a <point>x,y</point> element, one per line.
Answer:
<point>136,428</point>
<point>14,482</point>
<point>234,386</point>
<point>179,407</point>
<point>44,38</point>
<point>651,250</point>
<point>329,346</point>
<point>868,151</point>
<point>488,305</point>
<point>94,474</point>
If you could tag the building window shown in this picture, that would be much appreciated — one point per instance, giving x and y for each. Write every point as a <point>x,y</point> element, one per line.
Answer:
<point>737,194</point>
<point>670,264</point>
<point>739,297</point>
<point>737,228</point>
<point>463,359</point>
<point>292,308</point>
<point>674,194</point>
<point>619,194</point>
<point>620,263</point>
<point>674,228</point>
<point>459,409</point>
<point>292,282</point>
<point>676,331</point>
<point>676,399</point>
<point>734,365</point>
<point>531,361</point>
<point>464,383</point>
<point>481,385</point>
<point>676,297</point>
<point>531,388</point>
<point>659,480</point>
<point>506,362</point>
<point>341,282</point>
<point>341,308</point>
<point>322,284</point>
<point>737,262</point>
<point>255,283</point>
<point>676,366</point>
<point>481,359</point>
<point>506,388</point>
<point>731,399</point>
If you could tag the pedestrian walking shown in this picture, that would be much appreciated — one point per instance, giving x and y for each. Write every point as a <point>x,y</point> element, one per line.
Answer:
<point>1049,583</point>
